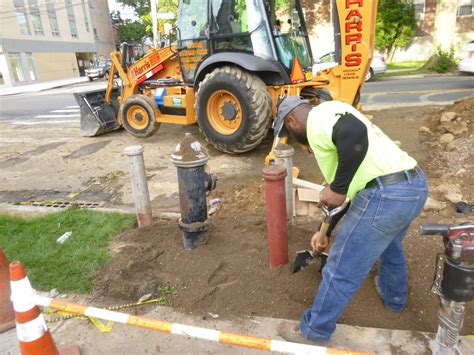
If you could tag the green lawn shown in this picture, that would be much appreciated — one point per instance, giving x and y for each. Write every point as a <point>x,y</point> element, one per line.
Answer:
<point>406,65</point>
<point>69,266</point>
<point>405,68</point>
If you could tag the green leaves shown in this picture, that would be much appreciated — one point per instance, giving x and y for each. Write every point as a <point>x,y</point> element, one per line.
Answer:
<point>132,31</point>
<point>136,30</point>
<point>395,26</point>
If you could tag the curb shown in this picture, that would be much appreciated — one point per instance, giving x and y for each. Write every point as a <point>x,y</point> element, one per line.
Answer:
<point>40,210</point>
<point>415,104</point>
<point>414,76</point>
<point>402,105</point>
<point>37,87</point>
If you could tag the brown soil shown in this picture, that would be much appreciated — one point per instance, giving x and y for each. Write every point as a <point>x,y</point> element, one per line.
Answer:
<point>230,276</point>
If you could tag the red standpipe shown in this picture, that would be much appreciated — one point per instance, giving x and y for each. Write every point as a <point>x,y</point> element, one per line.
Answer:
<point>275,200</point>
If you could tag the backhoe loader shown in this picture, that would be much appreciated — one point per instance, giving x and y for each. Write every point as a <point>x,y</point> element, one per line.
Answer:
<point>232,62</point>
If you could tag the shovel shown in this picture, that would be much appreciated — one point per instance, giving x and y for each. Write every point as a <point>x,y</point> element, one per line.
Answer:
<point>306,257</point>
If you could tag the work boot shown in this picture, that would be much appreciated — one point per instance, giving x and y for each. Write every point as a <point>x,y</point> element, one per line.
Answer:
<point>291,332</point>
<point>378,289</point>
<point>379,292</point>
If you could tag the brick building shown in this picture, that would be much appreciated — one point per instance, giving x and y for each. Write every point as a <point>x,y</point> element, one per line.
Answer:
<point>443,22</point>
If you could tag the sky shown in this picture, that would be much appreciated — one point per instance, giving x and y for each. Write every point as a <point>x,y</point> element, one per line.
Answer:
<point>126,12</point>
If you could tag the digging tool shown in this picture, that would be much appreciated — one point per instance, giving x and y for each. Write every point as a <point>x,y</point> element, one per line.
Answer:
<point>304,258</point>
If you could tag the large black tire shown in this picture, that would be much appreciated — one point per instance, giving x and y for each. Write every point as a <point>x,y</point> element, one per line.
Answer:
<point>255,105</point>
<point>138,116</point>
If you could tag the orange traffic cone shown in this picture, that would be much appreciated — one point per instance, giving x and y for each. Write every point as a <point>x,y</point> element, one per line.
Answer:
<point>7,315</point>
<point>33,333</point>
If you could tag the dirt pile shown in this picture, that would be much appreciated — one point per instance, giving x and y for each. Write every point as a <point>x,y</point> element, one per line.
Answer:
<point>230,276</point>
<point>449,136</point>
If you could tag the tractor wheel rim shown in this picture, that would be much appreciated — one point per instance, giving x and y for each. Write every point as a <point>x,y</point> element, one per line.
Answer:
<point>138,117</point>
<point>218,107</point>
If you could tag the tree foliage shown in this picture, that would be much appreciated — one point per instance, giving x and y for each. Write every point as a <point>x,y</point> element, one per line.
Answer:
<point>396,25</point>
<point>142,7</point>
<point>143,10</point>
<point>132,31</point>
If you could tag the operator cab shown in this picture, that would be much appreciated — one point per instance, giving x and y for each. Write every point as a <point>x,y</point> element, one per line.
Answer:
<point>273,30</point>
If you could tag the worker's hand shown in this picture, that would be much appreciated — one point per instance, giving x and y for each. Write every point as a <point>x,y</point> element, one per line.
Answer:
<point>319,247</point>
<point>330,198</point>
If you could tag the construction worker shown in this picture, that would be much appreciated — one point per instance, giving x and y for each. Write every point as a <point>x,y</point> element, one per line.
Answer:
<point>387,191</point>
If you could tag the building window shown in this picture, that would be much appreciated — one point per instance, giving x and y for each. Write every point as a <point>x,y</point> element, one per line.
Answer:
<point>35,17</point>
<point>73,26</point>
<point>21,17</point>
<point>53,20</point>
<point>465,7</point>
<point>17,69</point>
<point>96,35</point>
<point>71,18</point>
<point>419,9</point>
<point>31,66</point>
<point>86,22</point>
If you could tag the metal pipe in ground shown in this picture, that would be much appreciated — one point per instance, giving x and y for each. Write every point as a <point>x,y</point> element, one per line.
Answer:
<point>274,177</point>
<point>284,156</point>
<point>141,196</point>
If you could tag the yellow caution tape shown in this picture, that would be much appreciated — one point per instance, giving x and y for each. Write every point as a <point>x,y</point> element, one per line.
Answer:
<point>103,328</point>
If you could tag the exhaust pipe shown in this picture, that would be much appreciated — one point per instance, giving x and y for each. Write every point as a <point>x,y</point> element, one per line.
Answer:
<point>98,117</point>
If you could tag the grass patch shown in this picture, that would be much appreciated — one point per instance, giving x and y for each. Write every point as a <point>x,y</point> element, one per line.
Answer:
<point>70,266</point>
<point>405,68</point>
<point>413,65</point>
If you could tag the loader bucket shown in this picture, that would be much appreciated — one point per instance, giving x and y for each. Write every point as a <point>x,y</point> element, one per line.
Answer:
<point>97,117</point>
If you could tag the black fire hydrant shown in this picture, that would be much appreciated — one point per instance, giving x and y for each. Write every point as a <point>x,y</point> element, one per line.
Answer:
<point>190,157</point>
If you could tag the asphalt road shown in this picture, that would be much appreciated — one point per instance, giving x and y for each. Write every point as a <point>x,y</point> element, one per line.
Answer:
<point>430,90</point>
<point>54,106</point>
<point>58,106</point>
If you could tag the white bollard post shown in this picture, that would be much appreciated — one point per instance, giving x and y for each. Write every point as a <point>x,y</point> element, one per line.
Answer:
<point>284,156</point>
<point>141,196</point>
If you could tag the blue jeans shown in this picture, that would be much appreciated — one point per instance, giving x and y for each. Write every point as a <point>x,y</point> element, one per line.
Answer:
<point>373,227</point>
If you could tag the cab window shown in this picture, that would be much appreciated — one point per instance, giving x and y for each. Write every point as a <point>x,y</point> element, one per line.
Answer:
<point>192,19</point>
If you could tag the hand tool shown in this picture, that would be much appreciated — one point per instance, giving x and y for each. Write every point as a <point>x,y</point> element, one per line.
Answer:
<point>304,258</point>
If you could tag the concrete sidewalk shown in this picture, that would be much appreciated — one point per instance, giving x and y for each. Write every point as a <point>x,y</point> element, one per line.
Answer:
<point>45,85</point>
<point>124,339</point>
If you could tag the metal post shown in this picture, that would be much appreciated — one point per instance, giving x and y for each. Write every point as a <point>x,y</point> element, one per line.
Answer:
<point>274,177</point>
<point>141,196</point>
<point>154,20</point>
<point>284,156</point>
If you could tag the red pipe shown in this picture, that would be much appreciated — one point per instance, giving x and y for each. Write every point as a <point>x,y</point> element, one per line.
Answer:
<point>275,200</point>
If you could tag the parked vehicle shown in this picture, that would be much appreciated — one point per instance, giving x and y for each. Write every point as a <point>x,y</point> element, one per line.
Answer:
<point>377,66</point>
<point>466,64</point>
<point>99,70</point>
<point>228,71</point>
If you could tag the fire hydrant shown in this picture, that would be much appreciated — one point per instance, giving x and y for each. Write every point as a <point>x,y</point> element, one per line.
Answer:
<point>190,157</point>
